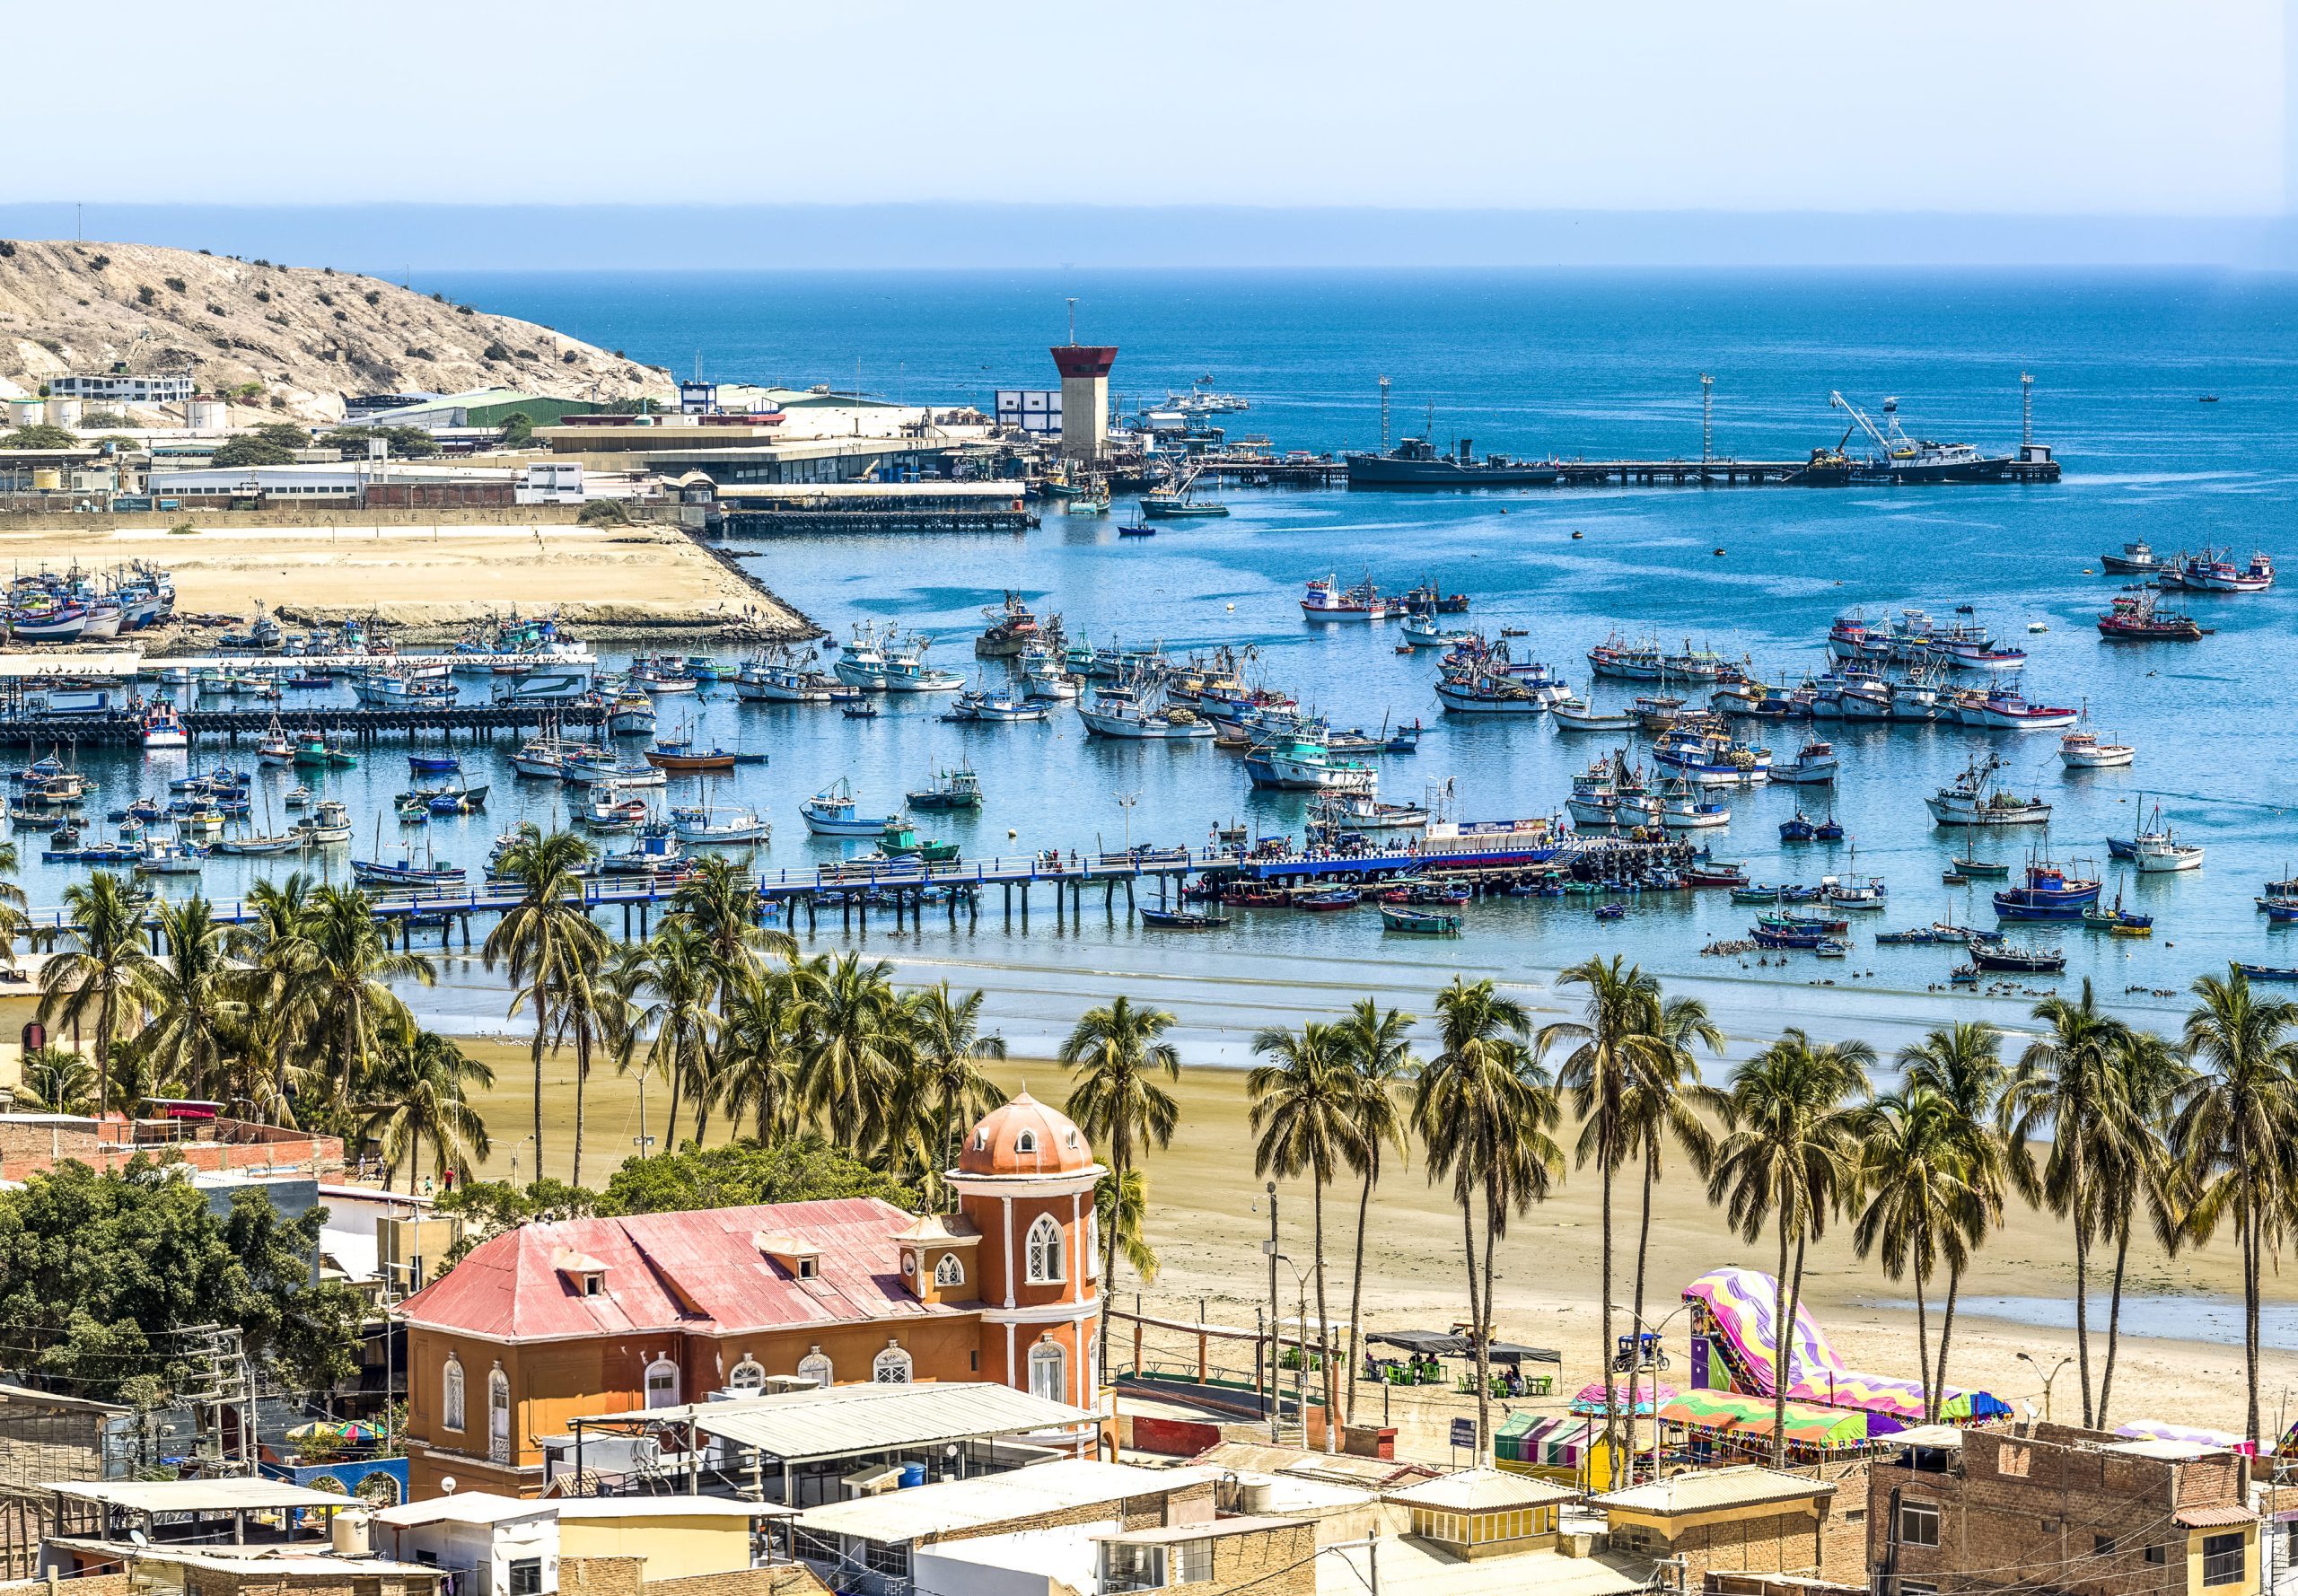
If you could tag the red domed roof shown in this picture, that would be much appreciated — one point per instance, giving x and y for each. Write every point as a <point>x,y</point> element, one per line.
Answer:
<point>1025,1137</point>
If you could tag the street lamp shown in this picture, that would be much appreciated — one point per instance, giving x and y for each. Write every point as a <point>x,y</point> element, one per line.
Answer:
<point>2053,1375</point>
<point>1637,1325</point>
<point>521,1142</point>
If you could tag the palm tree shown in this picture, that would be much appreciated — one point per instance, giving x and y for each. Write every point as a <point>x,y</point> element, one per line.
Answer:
<point>2236,1129</point>
<point>1117,1052</point>
<point>682,969</point>
<point>758,1055</point>
<point>721,902</point>
<point>59,1081</point>
<point>14,922</point>
<point>1378,1053</point>
<point>195,1004</point>
<point>110,969</point>
<point>618,988</point>
<point>420,1091</point>
<point>1783,1162</point>
<point>2061,1084</point>
<point>1483,1108</point>
<point>351,1002</point>
<point>945,1033</point>
<point>1121,1208</point>
<point>1303,1109</point>
<point>275,948</point>
<point>1914,1203</point>
<point>2135,1168</point>
<point>548,940</point>
<point>1962,1063</point>
<point>854,1046</point>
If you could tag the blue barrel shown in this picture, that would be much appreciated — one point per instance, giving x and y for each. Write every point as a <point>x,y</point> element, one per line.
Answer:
<point>912,1474</point>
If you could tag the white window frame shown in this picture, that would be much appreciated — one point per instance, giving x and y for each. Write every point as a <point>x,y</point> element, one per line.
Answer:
<point>1053,1356</point>
<point>661,1366</point>
<point>498,1415</point>
<point>749,1375</point>
<point>1043,1249</point>
<point>1912,1511</point>
<point>1093,1244</point>
<point>1026,1141</point>
<point>452,1410</point>
<point>949,1269</point>
<point>815,1366</point>
<point>892,1366</point>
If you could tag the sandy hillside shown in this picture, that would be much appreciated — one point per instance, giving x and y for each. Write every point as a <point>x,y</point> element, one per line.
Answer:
<point>307,335</point>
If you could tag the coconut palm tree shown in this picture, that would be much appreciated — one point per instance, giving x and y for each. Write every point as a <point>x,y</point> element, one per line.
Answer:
<point>13,923</point>
<point>1121,1209</point>
<point>1963,1065</point>
<point>2236,1130</point>
<point>1914,1201</point>
<point>1483,1108</point>
<point>620,983</point>
<point>1378,1049</point>
<point>1784,1163</point>
<point>59,1081</point>
<point>547,940</point>
<point>945,1034</point>
<point>274,947</point>
<point>758,1055</point>
<point>854,1048</point>
<point>719,900</point>
<point>1304,1111</point>
<point>683,973</point>
<point>2135,1170</point>
<point>1116,1052</point>
<point>2060,1087</point>
<point>194,1003</point>
<point>420,1091</point>
<point>107,971</point>
<point>351,1003</point>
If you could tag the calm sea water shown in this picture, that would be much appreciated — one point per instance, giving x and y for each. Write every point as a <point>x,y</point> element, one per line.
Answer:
<point>1577,363</point>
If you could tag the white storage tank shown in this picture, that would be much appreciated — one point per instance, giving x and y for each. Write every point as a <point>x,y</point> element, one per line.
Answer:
<point>26,412</point>
<point>207,414</point>
<point>64,412</point>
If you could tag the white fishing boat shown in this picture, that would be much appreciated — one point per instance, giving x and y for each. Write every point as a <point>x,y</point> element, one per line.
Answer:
<point>784,681</point>
<point>1424,629</point>
<point>1305,764</point>
<point>164,855</point>
<point>2163,852</point>
<point>161,729</point>
<point>833,812</point>
<point>1975,799</point>
<point>1128,721</point>
<point>1479,691</point>
<point>2082,749</point>
<point>1360,814</point>
<point>392,689</point>
<point>905,670</point>
<point>1575,713</point>
<point>631,714</point>
<point>542,756</point>
<point>1814,765</point>
<point>1327,600</point>
<point>861,661</point>
<point>327,825</point>
<point>701,825</point>
<point>997,705</point>
<point>1684,808</point>
<point>2007,710</point>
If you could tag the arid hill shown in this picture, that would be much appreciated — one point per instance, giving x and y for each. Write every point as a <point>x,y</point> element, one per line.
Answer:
<point>286,340</point>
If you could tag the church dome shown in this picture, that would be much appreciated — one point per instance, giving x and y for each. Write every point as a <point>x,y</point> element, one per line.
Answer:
<point>1024,1137</point>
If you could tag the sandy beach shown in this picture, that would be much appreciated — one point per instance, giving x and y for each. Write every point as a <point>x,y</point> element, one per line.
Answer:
<point>636,577</point>
<point>1208,1237</point>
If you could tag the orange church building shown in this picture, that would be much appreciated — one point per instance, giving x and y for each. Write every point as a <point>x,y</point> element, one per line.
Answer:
<point>553,1322</point>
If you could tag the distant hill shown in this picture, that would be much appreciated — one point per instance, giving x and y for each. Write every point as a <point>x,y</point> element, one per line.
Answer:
<point>306,336</point>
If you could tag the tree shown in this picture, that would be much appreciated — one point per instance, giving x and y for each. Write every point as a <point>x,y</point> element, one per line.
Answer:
<point>620,1017</point>
<point>518,427</point>
<point>721,902</point>
<point>2060,1085</point>
<point>58,1080</point>
<point>350,1002</point>
<point>547,942</point>
<point>1785,1160</point>
<point>1483,1109</point>
<point>41,435</point>
<point>1380,1060</point>
<point>603,512</point>
<point>2237,1127</point>
<point>489,1208</point>
<point>1117,1052</point>
<point>1962,1063</point>
<point>420,1091</point>
<point>853,1045</point>
<point>276,984</point>
<point>1304,1111</point>
<point>1918,1206</point>
<point>251,449</point>
<point>759,1059</point>
<point>196,1009</point>
<point>2135,1168</point>
<point>107,971</point>
<point>803,1169</point>
<point>12,921</point>
<point>683,974</point>
<point>1121,1210</point>
<point>945,1036</point>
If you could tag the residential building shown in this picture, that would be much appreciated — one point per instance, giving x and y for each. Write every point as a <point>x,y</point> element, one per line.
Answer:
<point>548,1324</point>
<point>1745,1519</point>
<point>1482,1513</point>
<point>117,388</point>
<point>2051,1506</point>
<point>512,1546</point>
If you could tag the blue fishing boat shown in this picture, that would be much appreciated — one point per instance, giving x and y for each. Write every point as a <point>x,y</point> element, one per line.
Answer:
<point>1799,828</point>
<point>2046,893</point>
<point>433,765</point>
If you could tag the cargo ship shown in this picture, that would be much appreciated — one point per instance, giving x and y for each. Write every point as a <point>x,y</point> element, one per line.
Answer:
<point>1415,462</point>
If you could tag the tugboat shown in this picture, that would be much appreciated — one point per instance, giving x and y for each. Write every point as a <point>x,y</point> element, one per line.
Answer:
<point>2138,617</point>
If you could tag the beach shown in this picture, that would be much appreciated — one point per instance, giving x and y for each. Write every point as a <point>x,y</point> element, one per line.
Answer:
<point>431,578</point>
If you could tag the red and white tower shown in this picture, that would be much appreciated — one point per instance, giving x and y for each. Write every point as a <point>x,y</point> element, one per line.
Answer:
<point>1085,398</point>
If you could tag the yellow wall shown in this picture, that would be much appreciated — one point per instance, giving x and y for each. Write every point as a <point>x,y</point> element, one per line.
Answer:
<point>673,1547</point>
<point>2250,1571</point>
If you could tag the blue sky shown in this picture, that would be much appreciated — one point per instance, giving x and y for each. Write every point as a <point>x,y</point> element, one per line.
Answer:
<point>2100,107</point>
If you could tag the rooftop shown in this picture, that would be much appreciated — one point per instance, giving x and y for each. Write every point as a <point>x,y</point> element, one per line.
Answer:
<point>1061,1485</point>
<point>200,1496</point>
<point>466,1507</point>
<point>849,1420</point>
<point>1745,1484</point>
<point>1410,1566</point>
<point>1477,1490</point>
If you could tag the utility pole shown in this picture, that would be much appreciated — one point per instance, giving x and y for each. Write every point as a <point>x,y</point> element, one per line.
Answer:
<point>1707,419</point>
<point>1275,1408</point>
<point>1384,415</point>
<point>2026,410</point>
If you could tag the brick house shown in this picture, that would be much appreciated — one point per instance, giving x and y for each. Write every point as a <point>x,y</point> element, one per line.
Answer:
<point>2049,1506</point>
<point>1741,1519</point>
<point>553,1322</point>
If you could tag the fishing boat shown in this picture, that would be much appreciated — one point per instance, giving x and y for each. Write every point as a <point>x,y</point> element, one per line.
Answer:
<point>2154,847</point>
<point>1714,873</point>
<point>1814,765</point>
<point>2081,749</point>
<point>1182,919</point>
<point>864,711</point>
<point>405,871</point>
<point>631,714</point>
<point>1324,900</point>
<point>1481,689</point>
<point>166,855</point>
<point>2118,921</point>
<point>1798,827</point>
<point>2266,972</point>
<point>2140,618</point>
<point>701,825</point>
<point>900,840</point>
<point>2136,559</point>
<point>1136,531</point>
<point>1327,600</point>
<point>544,758</point>
<point>161,729</point>
<point>663,677</point>
<point>1870,894</point>
<point>1305,763</point>
<point>1830,830</point>
<point>1419,922</point>
<point>996,706</point>
<point>1914,936</point>
<point>420,764</point>
<point>1682,808</point>
<point>655,851</point>
<point>861,661</point>
<point>2219,574</point>
<point>2007,710</point>
<point>2017,960</point>
<point>1180,502</point>
<point>1575,713</point>
<point>952,789</point>
<point>327,825</point>
<point>683,758</point>
<point>1127,720</point>
<point>1360,814</point>
<point>833,812</point>
<point>2046,892</point>
<point>904,669</point>
<point>2281,910</point>
<point>249,844</point>
<point>1423,629</point>
<point>608,810</point>
<point>1976,799</point>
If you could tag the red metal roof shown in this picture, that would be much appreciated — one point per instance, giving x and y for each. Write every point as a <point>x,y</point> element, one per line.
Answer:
<point>701,1272</point>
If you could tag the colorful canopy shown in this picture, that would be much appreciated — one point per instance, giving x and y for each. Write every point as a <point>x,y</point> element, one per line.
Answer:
<point>339,1432</point>
<point>1648,1394</point>
<point>1547,1441</point>
<point>1723,1413</point>
<point>2154,1429</point>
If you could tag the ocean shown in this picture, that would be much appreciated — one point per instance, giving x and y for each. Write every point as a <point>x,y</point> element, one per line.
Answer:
<point>1575,363</point>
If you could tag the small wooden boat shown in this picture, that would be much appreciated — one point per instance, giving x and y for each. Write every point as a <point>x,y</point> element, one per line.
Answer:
<point>1137,532</point>
<point>2281,910</point>
<point>378,872</point>
<point>1984,868</point>
<point>2267,972</point>
<point>1326,898</point>
<point>860,710</point>
<point>1171,920</point>
<point>2018,960</point>
<point>1419,922</point>
<point>286,842</point>
<point>683,758</point>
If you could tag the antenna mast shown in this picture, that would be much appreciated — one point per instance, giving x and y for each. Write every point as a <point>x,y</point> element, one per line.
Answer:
<point>1707,419</point>
<point>2026,410</point>
<point>1384,415</point>
<point>1072,318</point>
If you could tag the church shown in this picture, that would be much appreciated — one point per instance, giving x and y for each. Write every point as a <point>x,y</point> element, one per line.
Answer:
<point>553,1322</point>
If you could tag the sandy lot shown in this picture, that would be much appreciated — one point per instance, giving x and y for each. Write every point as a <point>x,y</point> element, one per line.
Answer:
<point>1209,1239</point>
<point>438,575</point>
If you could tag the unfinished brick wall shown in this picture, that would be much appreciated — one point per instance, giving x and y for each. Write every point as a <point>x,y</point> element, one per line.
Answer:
<point>602,1576</point>
<point>1785,1542</point>
<point>784,1579</point>
<point>1277,1562</point>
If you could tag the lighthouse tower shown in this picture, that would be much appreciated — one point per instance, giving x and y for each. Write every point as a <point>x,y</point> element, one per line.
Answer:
<point>1085,398</point>
<point>1025,1179</point>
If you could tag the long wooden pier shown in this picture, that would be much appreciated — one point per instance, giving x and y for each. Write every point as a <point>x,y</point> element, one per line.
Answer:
<point>364,725</point>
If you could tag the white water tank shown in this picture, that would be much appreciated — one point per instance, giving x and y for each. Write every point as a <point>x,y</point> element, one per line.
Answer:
<point>348,1534</point>
<point>64,412</point>
<point>26,412</point>
<point>207,414</point>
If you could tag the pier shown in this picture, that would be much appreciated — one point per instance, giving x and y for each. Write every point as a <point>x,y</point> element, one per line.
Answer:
<point>363,726</point>
<point>1258,470</point>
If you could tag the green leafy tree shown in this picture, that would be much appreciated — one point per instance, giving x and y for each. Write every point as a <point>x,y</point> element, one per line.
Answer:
<point>41,435</point>
<point>683,972</point>
<point>947,1042</point>
<point>251,449</point>
<point>518,427</point>
<point>758,1057</point>
<point>421,1093</point>
<point>196,1012</point>
<point>855,1045</point>
<point>547,940</point>
<point>1916,1203</point>
<point>805,1169</point>
<point>1116,1052</point>
<point>1121,1209</point>
<point>351,1000</point>
<point>489,1208</point>
<point>2136,1174</point>
<point>58,1080</point>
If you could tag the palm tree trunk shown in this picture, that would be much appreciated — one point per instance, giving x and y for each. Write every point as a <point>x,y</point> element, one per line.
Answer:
<point>1356,1282</point>
<point>1922,1326</point>
<point>2082,1311</point>
<point>1121,1156</point>
<point>1324,1320</point>
<point>1782,1357</point>
<point>1611,1399</point>
<point>1937,1400</point>
<point>1794,1311</point>
<point>2114,1315</point>
<point>103,1052</point>
<point>582,1075</point>
<point>536,1051</point>
<point>1643,1247</point>
<point>1484,1340</point>
<point>1476,1313</point>
<point>2251,1240</point>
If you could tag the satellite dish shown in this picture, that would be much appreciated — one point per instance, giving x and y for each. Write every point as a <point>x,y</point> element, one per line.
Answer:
<point>2028,1404</point>
<point>137,1537</point>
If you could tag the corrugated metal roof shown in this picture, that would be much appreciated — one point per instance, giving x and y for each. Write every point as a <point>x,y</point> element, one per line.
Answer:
<point>847,1420</point>
<point>1702,1490</point>
<point>200,1496</point>
<point>700,1271</point>
<point>1474,1490</point>
<point>2211,1517</point>
<point>1058,1487</point>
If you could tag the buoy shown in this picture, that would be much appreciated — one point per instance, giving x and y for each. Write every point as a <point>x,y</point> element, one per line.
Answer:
<point>1719,554</point>
<point>1504,510</point>
<point>1233,606</point>
<point>1577,534</point>
<point>1011,833</point>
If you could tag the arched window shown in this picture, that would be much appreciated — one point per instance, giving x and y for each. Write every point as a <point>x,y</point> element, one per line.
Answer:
<point>950,1270</point>
<point>749,1375</point>
<point>890,1367</point>
<point>662,1383</point>
<point>498,1416</point>
<point>1093,1244</point>
<point>1026,1142</point>
<point>815,1367</point>
<point>451,1393</point>
<point>1045,1251</point>
<point>1049,1371</point>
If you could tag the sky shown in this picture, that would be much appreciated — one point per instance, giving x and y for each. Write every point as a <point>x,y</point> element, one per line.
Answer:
<point>2039,108</point>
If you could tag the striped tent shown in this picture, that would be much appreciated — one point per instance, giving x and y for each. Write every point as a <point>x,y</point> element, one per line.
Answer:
<point>1649,1393</point>
<point>1723,1415</point>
